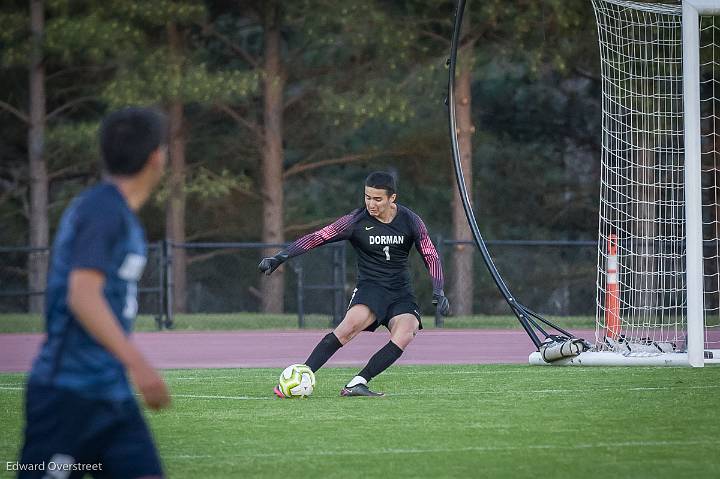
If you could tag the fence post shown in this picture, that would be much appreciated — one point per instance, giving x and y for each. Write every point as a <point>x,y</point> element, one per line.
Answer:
<point>337,286</point>
<point>169,282</point>
<point>439,247</point>
<point>343,281</point>
<point>298,266</point>
<point>161,311</point>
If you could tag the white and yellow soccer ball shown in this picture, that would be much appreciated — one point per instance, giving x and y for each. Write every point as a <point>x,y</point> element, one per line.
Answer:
<point>297,381</point>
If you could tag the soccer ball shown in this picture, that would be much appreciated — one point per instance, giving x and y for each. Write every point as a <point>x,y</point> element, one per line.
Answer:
<point>297,381</point>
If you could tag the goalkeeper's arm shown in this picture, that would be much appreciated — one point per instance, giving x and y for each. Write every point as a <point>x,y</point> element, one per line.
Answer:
<point>336,231</point>
<point>427,250</point>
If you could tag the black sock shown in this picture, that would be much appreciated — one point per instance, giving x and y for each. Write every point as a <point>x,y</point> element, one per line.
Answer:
<point>381,360</point>
<point>323,351</point>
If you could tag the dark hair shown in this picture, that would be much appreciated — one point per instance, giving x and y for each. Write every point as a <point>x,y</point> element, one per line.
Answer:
<point>382,181</point>
<point>128,137</point>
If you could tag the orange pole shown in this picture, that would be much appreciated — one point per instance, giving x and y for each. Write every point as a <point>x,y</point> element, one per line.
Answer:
<point>612,292</point>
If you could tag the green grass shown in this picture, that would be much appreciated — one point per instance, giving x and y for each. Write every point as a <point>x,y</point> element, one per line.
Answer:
<point>439,421</point>
<point>28,323</point>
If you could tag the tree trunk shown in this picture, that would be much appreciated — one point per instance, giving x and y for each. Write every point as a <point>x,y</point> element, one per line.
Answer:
<point>38,261</point>
<point>652,257</point>
<point>272,287</point>
<point>175,223</point>
<point>462,255</point>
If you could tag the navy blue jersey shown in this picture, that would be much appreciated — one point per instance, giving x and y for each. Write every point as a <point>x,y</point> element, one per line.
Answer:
<point>98,231</point>
<point>382,248</point>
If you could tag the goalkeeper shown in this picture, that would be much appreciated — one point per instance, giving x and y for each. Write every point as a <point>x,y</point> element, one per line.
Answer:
<point>382,234</point>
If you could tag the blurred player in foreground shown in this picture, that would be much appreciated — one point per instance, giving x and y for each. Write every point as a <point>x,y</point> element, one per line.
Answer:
<point>382,233</point>
<point>81,413</point>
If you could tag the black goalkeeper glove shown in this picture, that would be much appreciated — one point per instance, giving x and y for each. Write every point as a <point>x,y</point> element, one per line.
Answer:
<point>268,265</point>
<point>442,303</point>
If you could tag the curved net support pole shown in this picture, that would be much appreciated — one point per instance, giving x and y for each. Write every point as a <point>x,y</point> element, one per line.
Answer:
<point>533,323</point>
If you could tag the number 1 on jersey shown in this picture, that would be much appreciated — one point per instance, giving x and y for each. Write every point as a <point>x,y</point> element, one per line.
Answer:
<point>387,253</point>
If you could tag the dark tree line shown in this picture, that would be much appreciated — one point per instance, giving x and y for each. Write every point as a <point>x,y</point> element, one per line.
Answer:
<point>279,109</point>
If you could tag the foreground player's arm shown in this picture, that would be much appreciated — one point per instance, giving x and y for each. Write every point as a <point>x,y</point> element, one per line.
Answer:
<point>86,300</point>
<point>336,231</point>
<point>427,250</point>
<point>97,230</point>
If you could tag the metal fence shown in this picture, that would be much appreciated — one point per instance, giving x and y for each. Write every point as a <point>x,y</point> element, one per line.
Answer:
<point>15,295</point>
<point>553,277</point>
<point>14,292</point>
<point>223,278</point>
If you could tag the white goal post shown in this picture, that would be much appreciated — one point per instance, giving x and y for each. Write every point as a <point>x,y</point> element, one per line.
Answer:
<point>658,277</point>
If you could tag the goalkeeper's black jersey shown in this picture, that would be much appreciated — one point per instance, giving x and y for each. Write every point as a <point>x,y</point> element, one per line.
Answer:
<point>382,248</point>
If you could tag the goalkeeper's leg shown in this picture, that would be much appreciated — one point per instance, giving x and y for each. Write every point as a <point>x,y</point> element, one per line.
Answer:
<point>403,329</point>
<point>356,319</point>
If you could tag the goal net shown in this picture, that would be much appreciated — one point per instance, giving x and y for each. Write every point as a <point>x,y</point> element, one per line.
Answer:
<point>658,275</point>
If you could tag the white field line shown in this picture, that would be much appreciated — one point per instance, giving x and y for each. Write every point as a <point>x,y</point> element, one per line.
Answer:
<point>413,392</point>
<point>188,396</point>
<point>369,452</point>
<point>238,398</point>
<point>332,372</point>
<point>202,378</point>
<point>326,372</point>
<point>182,396</point>
<point>425,392</point>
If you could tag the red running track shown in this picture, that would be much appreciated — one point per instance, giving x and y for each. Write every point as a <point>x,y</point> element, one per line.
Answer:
<point>252,349</point>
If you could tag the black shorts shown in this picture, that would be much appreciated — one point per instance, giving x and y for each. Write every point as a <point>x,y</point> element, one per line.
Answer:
<point>385,303</point>
<point>63,427</point>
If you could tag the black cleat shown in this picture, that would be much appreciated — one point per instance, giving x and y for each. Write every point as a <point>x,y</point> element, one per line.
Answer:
<point>359,390</point>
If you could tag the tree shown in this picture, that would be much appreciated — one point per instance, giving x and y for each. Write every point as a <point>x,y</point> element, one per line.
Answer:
<point>272,287</point>
<point>320,68</point>
<point>38,263</point>
<point>37,171</point>
<point>170,77</point>
<point>176,204</point>
<point>513,64</point>
<point>360,87</point>
<point>463,254</point>
<point>34,47</point>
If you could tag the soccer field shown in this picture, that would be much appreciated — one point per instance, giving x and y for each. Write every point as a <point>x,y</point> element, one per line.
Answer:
<point>439,421</point>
